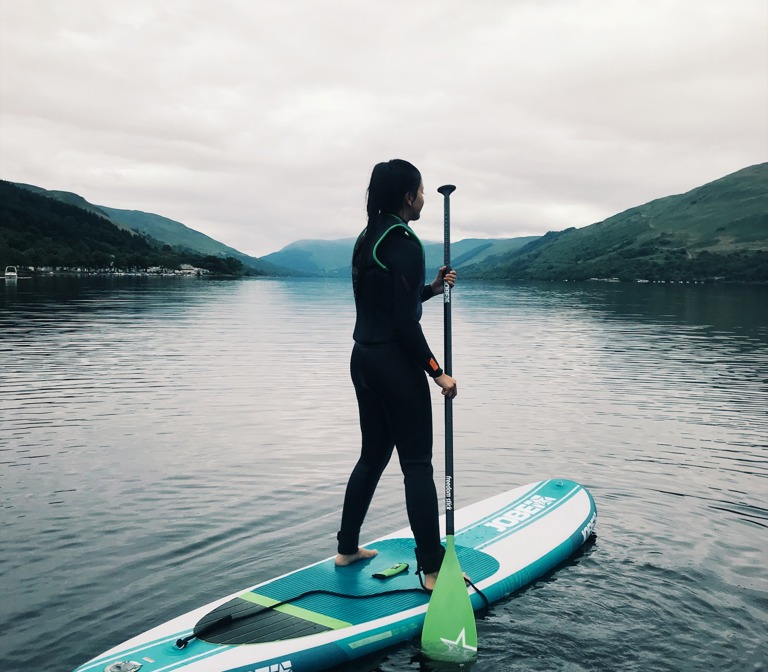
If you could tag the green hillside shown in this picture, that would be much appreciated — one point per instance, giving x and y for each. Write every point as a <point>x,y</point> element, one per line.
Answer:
<point>39,231</point>
<point>165,231</point>
<point>315,257</point>
<point>333,257</point>
<point>476,250</point>
<point>181,238</point>
<point>65,197</point>
<point>718,231</point>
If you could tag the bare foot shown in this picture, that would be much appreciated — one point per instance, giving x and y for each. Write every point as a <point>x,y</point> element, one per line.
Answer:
<point>431,579</point>
<point>362,554</point>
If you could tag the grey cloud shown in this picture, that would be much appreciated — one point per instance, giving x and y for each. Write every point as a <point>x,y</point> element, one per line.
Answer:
<point>258,123</point>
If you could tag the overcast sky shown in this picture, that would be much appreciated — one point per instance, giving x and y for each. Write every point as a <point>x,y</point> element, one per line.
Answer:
<point>258,122</point>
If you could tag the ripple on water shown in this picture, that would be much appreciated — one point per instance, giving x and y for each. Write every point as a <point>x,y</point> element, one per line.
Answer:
<point>166,444</point>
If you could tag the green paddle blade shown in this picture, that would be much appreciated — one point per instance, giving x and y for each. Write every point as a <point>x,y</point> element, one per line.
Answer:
<point>450,632</point>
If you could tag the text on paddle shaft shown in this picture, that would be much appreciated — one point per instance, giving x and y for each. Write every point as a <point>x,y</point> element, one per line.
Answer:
<point>521,512</point>
<point>448,493</point>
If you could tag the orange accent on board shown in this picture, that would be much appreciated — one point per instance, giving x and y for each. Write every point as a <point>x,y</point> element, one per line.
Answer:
<point>433,364</point>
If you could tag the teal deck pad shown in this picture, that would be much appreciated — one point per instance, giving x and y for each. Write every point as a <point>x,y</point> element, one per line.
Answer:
<point>242,622</point>
<point>353,597</point>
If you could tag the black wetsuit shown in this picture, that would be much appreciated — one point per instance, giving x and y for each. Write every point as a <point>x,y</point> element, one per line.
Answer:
<point>388,362</point>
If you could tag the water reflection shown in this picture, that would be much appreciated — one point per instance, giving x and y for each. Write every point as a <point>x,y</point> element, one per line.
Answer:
<point>191,437</point>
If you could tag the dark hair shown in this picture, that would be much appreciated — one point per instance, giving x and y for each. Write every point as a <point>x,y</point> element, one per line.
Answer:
<point>390,182</point>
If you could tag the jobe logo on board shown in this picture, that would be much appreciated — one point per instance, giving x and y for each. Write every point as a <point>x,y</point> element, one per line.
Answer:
<point>285,666</point>
<point>520,513</point>
<point>589,527</point>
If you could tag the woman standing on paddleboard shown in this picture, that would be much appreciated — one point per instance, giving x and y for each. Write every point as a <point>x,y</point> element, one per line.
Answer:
<point>389,361</point>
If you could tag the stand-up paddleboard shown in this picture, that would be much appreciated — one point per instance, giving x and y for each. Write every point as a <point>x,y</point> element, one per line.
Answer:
<point>322,615</point>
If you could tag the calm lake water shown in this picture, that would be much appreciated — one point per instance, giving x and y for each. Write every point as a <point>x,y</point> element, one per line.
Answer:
<point>164,442</point>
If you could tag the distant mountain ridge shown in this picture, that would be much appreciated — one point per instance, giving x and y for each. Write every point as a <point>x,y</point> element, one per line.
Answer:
<point>166,230</point>
<point>65,197</point>
<point>39,232</point>
<point>334,257</point>
<point>159,228</point>
<point>718,231</point>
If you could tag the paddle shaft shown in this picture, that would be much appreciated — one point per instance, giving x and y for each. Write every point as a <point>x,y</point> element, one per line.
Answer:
<point>450,631</point>
<point>446,191</point>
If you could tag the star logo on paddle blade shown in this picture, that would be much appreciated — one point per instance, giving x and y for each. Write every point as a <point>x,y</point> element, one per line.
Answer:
<point>460,644</point>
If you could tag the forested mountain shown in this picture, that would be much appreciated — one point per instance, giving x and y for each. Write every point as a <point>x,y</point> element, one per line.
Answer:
<point>718,231</point>
<point>39,231</point>
<point>315,257</point>
<point>64,197</point>
<point>180,237</point>
<point>33,233</point>
<point>333,257</point>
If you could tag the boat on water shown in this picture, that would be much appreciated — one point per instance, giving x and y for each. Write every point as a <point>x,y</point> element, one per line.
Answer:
<point>11,273</point>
